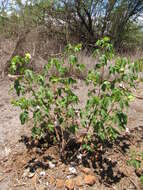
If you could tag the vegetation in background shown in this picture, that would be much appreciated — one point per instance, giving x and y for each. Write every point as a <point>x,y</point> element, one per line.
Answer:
<point>99,18</point>
<point>89,20</point>
<point>132,38</point>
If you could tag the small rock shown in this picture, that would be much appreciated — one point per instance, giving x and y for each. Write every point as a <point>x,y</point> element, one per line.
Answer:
<point>79,156</point>
<point>31,174</point>
<point>38,150</point>
<point>79,181</point>
<point>47,183</point>
<point>69,176</point>
<point>26,173</point>
<point>121,85</point>
<point>34,180</point>
<point>69,184</point>
<point>89,179</point>
<point>7,151</point>
<point>72,170</point>
<point>60,183</point>
<point>86,170</point>
<point>51,165</point>
<point>42,174</point>
<point>41,187</point>
<point>51,180</point>
<point>127,130</point>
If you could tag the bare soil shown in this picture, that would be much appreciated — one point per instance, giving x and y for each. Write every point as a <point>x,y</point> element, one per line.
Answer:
<point>20,166</point>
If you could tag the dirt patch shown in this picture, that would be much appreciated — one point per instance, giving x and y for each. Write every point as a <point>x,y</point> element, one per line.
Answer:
<point>41,167</point>
<point>7,48</point>
<point>39,42</point>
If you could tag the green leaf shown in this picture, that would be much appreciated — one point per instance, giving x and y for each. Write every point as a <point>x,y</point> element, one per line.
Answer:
<point>17,86</point>
<point>29,75</point>
<point>112,133</point>
<point>47,66</point>
<point>54,79</point>
<point>37,115</point>
<point>51,127</point>
<point>71,112</point>
<point>112,69</point>
<point>131,98</point>
<point>41,79</point>
<point>122,119</point>
<point>77,48</point>
<point>135,163</point>
<point>24,117</point>
<point>71,81</point>
<point>62,70</point>
<point>81,67</point>
<point>103,60</point>
<point>87,147</point>
<point>73,128</point>
<point>98,65</point>
<point>72,59</point>
<point>106,39</point>
<point>36,132</point>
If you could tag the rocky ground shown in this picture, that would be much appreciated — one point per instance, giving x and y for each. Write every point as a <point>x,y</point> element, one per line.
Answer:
<point>41,168</point>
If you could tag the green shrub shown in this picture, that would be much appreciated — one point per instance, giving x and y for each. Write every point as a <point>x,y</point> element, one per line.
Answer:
<point>19,64</point>
<point>108,98</point>
<point>53,102</point>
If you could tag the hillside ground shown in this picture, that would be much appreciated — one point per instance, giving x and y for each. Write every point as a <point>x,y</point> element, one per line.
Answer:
<point>20,167</point>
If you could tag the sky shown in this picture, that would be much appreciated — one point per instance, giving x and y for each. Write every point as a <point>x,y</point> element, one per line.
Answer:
<point>23,1</point>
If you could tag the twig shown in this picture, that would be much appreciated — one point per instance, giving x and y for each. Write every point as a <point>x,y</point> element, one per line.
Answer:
<point>138,97</point>
<point>57,54</point>
<point>132,181</point>
<point>13,77</point>
<point>2,179</point>
<point>18,185</point>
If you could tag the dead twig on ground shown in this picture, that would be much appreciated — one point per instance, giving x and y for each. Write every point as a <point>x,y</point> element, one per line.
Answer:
<point>1,179</point>
<point>138,97</point>
<point>19,185</point>
<point>132,181</point>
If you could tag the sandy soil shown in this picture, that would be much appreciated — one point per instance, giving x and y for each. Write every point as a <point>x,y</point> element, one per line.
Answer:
<point>14,156</point>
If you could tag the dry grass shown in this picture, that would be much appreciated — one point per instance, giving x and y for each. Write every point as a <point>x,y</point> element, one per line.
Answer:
<point>89,62</point>
<point>133,55</point>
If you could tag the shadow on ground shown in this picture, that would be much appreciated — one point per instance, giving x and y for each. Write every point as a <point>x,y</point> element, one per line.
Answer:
<point>99,160</point>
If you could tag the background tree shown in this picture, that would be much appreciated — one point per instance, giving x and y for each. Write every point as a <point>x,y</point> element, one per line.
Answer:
<point>88,19</point>
<point>97,18</point>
